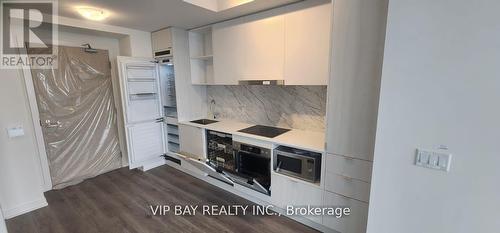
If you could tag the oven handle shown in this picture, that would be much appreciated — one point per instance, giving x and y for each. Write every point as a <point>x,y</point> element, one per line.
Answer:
<point>278,167</point>
<point>251,153</point>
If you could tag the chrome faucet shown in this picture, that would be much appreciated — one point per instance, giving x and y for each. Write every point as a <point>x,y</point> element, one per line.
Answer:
<point>212,109</point>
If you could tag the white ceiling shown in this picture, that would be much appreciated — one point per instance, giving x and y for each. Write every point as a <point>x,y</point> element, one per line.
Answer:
<point>151,15</point>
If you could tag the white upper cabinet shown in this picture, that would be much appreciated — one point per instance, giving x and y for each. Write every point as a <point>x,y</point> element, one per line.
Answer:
<point>161,40</point>
<point>307,46</point>
<point>228,55</point>
<point>250,48</point>
<point>282,44</point>
<point>263,49</point>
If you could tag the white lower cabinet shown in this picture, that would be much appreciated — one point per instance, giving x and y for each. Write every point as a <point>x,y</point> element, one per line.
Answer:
<point>355,222</point>
<point>347,186</point>
<point>290,192</point>
<point>349,167</point>
<point>192,141</point>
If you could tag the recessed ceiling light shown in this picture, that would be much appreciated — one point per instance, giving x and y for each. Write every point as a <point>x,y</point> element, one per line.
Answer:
<point>93,13</point>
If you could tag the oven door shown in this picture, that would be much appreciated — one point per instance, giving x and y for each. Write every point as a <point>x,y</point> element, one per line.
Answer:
<point>254,171</point>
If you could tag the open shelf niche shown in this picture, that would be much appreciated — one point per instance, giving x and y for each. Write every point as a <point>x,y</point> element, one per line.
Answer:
<point>200,51</point>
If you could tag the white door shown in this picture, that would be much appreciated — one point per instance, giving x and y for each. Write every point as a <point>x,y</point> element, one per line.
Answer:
<point>142,110</point>
<point>77,115</point>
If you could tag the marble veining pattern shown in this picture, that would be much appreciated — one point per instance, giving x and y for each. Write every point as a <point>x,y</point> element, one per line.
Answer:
<point>297,107</point>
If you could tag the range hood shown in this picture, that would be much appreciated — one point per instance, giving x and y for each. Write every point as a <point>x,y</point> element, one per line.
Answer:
<point>262,82</point>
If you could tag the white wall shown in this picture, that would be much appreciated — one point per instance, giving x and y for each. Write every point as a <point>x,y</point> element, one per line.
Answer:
<point>132,42</point>
<point>440,85</point>
<point>20,173</point>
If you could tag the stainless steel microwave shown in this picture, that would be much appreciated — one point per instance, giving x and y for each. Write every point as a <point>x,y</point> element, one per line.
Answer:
<point>297,163</point>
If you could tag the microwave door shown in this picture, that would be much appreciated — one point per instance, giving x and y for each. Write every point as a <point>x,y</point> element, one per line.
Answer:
<point>289,165</point>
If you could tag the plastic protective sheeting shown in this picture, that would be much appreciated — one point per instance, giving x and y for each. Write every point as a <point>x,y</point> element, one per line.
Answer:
<point>78,116</point>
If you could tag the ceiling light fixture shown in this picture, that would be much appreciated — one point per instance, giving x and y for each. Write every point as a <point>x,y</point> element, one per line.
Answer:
<point>218,5</point>
<point>91,13</point>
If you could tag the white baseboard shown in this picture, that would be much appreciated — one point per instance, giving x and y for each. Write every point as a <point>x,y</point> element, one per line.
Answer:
<point>24,208</point>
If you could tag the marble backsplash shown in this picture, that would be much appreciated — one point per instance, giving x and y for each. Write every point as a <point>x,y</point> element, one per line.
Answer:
<point>297,107</point>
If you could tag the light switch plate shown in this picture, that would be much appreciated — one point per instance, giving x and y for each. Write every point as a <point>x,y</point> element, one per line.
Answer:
<point>433,159</point>
<point>17,131</point>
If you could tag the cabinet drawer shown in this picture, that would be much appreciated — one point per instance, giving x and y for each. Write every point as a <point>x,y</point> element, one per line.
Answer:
<point>355,222</point>
<point>288,192</point>
<point>347,186</point>
<point>354,168</point>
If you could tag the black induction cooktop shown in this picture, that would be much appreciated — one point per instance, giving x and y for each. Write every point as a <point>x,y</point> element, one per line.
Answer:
<point>264,131</point>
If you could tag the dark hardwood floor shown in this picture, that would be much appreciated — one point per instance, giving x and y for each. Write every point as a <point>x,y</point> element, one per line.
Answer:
<point>119,202</point>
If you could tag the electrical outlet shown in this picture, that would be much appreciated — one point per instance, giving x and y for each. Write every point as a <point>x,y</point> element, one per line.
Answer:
<point>438,160</point>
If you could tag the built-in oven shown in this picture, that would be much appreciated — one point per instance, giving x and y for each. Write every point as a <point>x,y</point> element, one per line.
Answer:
<point>298,163</point>
<point>253,168</point>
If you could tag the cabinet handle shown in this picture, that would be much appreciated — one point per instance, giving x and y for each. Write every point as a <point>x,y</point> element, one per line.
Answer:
<point>144,94</point>
<point>348,158</point>
<point>347,178</point>
<point>294,181</point>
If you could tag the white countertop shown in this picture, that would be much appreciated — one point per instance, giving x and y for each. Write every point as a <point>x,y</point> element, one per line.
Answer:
<point>307,140</point>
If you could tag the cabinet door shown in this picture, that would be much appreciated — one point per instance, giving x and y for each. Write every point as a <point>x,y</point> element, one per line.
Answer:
<point>192,141</point>
<point>228,52</point>
<point>356,68</point>
<point>161,40</point>
<point>307,46</point>
<point>264,49</point>
<point>145,142</point>
<point>355,222</point>
<point>290,192</point>
<point>249,48</point>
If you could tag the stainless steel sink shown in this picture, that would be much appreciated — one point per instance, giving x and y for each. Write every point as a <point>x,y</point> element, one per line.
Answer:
<point>204,121</point>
